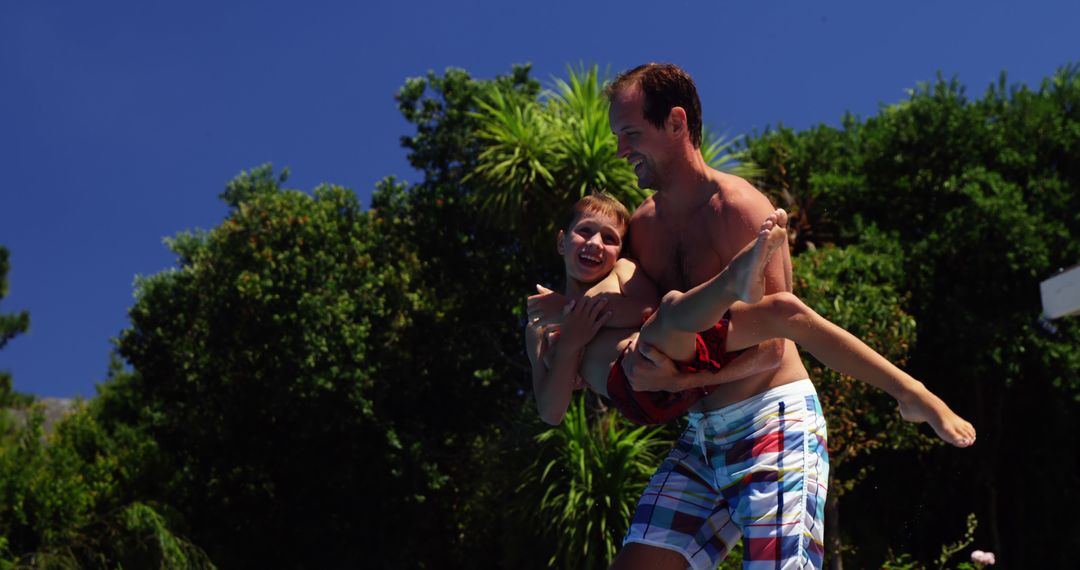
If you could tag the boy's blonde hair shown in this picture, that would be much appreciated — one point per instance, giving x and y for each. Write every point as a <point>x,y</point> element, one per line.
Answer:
<point>603,204</point>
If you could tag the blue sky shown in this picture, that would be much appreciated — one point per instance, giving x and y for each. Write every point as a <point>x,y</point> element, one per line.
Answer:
<point>121,121</point>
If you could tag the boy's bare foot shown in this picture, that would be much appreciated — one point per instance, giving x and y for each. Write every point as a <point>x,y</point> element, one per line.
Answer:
<point>747,268</point>
<point>923,406</point>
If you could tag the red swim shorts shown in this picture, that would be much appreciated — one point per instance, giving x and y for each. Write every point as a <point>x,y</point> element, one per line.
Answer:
<point>661,407</point>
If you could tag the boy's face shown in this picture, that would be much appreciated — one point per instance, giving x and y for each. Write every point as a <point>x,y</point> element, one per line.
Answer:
<point>591,247</point>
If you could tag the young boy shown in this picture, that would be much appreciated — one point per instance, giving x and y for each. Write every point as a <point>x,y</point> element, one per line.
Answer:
<point>608,298</point>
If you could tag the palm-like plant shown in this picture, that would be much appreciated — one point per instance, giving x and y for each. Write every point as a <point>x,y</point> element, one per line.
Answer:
<point>539,156</point>
<point>592,473</point>
<point>586,153</point>
<point>513,169</point>
<point>720,153</point>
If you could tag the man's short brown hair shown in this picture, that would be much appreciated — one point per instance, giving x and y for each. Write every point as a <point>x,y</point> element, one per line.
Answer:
<point>665,86</point>
<point>602,204</point>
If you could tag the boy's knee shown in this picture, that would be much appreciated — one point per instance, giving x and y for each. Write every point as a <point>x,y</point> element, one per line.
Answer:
<point>659,322</point>
<point>786,306</point>
<point>671,298</point>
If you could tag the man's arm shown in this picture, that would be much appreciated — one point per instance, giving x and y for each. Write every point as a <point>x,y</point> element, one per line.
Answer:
<point>652,371</point>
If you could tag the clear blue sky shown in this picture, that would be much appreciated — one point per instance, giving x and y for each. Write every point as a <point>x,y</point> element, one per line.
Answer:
<point>121,121</point>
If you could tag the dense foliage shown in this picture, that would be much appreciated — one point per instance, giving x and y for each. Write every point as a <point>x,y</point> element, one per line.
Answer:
<point>10,326</point>
<point>983,198</point>
<point>319,384</point>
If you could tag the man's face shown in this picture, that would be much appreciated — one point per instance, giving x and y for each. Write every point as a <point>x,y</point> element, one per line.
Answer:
<point>640,143</point>
<point>591,247</point>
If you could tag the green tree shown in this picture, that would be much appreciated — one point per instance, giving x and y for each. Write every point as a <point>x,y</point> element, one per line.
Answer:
<point>255,364</point>
<point>854,287</point>
<point>984,198</point>
<point>68,500</point>
<point>10,326</point>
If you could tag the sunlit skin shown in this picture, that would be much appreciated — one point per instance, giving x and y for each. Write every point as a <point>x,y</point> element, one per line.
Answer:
<point>684,237</point>
<point>607,298</point>
<point>608,294</point>
<point>640,143</point>
<point>589,249</point>
<point>688,231</point>
<point>690,228</point>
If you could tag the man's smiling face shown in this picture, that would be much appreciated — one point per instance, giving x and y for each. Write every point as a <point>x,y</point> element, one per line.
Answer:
<point>640,143</point>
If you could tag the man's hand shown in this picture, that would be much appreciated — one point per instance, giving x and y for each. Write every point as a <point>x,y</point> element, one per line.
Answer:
<point>546,307</point>
<point>650,370</point>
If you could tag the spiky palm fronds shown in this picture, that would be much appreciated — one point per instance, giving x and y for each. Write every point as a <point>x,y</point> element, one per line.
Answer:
<point>592,473</point>
<point>721,153</point>
<point>513,167</point>
<point>586,153</point>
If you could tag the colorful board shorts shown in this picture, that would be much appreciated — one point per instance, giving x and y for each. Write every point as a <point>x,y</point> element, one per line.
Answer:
<point>710,355</point>
<point>757,469</point>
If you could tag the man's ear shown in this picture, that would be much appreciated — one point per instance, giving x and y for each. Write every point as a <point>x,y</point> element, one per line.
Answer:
<point>676,120</point>
<point>559,247</point>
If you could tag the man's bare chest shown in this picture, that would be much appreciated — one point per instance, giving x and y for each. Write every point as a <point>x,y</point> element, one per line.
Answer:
<point>681,261</point>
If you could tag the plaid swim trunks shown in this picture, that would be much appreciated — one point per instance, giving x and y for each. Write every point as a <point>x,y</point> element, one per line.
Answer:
<point>757,469</point>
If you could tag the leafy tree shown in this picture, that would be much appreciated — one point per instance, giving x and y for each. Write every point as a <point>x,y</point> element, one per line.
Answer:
<point>66,501</point>
<point>10,326</point>
<point>983,198</point>
<point>854,287</point>
<point>254,361</point>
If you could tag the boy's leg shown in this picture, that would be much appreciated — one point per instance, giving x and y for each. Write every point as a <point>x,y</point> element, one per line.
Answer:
<point>783,315</point>
<point>673,328</point>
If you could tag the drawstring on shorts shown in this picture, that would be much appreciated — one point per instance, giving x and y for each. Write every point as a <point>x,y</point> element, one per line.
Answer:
<point>699,440</point>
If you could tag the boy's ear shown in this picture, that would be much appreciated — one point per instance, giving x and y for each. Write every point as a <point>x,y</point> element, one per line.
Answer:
<point>559,247</point>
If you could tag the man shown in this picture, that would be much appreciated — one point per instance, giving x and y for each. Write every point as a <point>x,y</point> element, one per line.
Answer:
<point>753,462</point>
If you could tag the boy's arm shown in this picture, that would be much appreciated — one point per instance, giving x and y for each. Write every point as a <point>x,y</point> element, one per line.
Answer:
<point>546,306</point>
<point>552,395</point>
<point>553,386</point>
<point>554,383</point>
<point>636,299</point>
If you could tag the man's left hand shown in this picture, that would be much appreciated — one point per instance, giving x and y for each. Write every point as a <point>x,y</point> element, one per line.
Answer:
<point>650,370</point>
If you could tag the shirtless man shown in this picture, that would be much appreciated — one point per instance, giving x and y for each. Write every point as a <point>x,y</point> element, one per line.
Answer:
<point>753,462</point>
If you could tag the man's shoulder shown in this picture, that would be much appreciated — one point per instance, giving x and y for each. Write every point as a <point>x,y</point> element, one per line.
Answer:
<point>736,199</point>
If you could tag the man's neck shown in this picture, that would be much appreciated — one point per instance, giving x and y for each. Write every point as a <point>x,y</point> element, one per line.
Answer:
<point>687,187</point>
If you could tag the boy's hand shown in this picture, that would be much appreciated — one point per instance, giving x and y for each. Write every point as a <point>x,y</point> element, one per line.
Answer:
<point>546,307</point>
<point>534,341</point>
<point>582,319</point>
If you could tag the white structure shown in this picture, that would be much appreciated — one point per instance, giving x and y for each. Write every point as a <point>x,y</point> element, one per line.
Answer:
<point>1061,293</point>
